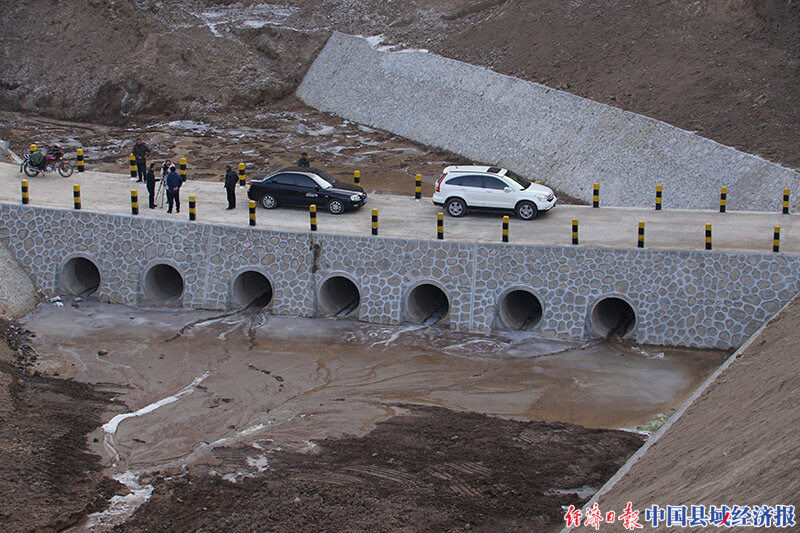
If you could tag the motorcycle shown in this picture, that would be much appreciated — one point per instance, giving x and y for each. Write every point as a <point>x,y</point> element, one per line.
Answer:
<point>52,161</point>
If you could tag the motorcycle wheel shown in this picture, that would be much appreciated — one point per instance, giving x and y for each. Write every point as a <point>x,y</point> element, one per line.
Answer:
<point>30,170</point>
<point>65,169</point>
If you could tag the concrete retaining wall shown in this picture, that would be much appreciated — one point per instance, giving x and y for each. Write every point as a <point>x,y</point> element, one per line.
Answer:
<point>567,141</point>
<point>699,299</point>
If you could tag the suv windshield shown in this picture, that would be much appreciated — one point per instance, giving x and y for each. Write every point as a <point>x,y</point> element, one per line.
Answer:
<point>523,182</point>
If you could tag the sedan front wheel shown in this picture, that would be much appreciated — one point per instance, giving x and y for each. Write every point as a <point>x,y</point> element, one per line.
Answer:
<point>336,207</point>
<point>269,202</point>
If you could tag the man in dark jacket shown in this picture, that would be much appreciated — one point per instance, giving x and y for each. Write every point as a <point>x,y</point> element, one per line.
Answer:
<point>174,183</point>
<point>231,179</point>
<point>304,161</point>
<point>150,182</point>
<point>140,152</point>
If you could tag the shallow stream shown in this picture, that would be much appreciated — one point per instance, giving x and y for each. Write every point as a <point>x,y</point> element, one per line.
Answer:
<point>192,381</point>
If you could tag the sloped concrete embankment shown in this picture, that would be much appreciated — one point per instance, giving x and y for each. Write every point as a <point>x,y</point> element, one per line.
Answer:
<point>17,293</point>
<point>567,141</point>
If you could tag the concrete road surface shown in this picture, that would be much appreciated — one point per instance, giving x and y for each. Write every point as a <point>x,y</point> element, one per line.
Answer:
<point>404,217</point>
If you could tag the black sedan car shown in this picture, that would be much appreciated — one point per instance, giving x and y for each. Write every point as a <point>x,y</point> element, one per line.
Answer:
<point>303,186</point>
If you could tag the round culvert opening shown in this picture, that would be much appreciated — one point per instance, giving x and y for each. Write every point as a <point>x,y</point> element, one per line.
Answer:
<point>80,276</point>
<point>520,310</point>
<point>612,317</point>
<point>251,287</point>
<point>163,284</point>
<point>338,296</point>
<point>427,304</point>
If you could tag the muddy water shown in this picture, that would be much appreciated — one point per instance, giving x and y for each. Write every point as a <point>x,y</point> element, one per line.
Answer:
<point>191,380</point>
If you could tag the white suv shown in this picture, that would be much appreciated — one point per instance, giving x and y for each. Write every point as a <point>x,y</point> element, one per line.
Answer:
<point>491,188</point>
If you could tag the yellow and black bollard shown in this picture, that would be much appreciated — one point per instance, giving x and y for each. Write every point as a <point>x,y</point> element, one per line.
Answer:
<point>776,239</point>
<point>708,236</point>
<point>25,198</point>
<point>418,187</point>
<point>242,176</point>
<point>252,212</point>
<point>505,228</point>
<point>312,214</point>
<point>357,177</point>
<point>785,201</point>
<point>640,241</point>
<point>659,188</point>
<point>76,196</point>
<point>183,169</point>
<point>132,161</point>
<point>374,220</point>
<point>574,231</point>
<point>134,202</point>
<point>723,199</point>
<point>440,225</point>
<point>193,207</point>
<point>79,159</point>
<point>596,195</point>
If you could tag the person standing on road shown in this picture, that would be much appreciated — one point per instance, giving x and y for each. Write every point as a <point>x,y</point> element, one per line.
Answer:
<point>165,169</point>
<point>231,179</point>
<point>304,161</point>
<point>140,152</point>
<point>150,182</point>
<point>174,183</point>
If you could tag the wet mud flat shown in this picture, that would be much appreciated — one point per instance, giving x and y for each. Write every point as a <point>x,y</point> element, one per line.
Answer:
<point>228,421</point>
<point>431,469</point>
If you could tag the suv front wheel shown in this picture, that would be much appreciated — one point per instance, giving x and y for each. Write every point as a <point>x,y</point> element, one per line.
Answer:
<point>456,207</point>
<point>527,210</point>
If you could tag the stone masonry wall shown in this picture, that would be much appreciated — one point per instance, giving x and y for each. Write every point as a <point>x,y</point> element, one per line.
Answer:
<point>699,299</point>
<point>564,140</point>
<point>17,294</point>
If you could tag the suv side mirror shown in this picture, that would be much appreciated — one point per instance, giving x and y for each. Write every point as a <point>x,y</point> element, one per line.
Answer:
<point>507,189</point>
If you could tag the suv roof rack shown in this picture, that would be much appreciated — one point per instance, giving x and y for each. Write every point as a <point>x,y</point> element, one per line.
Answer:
<point>494,170</point>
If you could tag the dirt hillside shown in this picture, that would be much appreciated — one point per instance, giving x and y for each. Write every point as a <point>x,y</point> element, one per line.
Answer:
<point>727,69</point>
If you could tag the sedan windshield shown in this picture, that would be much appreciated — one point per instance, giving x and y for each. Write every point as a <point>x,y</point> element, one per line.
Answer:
<point>322,180</point>
<point>325,176</point>
<point>523,182</point>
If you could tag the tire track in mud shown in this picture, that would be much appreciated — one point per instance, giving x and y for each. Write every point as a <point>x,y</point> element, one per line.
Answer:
<point>407,481</point>
<point>459,475</point>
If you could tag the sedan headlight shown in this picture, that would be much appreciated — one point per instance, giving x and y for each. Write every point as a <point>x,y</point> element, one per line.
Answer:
<point>355,198</point>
